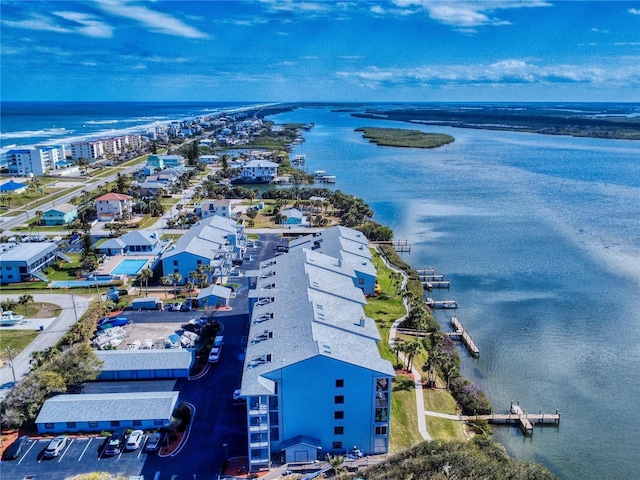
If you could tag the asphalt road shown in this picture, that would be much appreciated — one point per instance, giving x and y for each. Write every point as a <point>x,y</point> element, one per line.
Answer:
<point>47,338</point>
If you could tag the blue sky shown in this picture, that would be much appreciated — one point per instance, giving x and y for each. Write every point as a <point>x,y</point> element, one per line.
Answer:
<point>283,50</point>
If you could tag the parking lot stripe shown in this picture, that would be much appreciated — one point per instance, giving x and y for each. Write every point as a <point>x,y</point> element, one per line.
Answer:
<point>65,450</point>
<point>25,453</point>
<point>85,449</point>
<point>144,439</point>
<point>42,455</point>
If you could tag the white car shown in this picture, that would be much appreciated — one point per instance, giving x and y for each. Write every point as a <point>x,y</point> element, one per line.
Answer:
<point>214,356</point>
<point>135,440</point>
<point>175,307</point>
<point>56,446</point>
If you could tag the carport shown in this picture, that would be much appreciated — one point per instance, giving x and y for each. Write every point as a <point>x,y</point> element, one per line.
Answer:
<point>301,449</point>
<point>145,364</point>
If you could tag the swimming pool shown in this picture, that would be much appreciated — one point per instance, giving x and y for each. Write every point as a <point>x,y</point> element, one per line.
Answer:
<point>129,267</point>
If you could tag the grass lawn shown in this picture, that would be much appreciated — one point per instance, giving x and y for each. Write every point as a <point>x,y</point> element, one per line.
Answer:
<point>16,340</point>
<point>404,420</point>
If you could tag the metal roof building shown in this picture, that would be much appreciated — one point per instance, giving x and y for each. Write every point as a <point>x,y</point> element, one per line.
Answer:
<point>106,411</point>
<point>145,364</point>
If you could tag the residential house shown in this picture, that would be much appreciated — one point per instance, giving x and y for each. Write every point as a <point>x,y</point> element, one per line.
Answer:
<point>211,160</point>
<point>313,378</point>
<point>60,215</point>
<point>212,243</point>
<point>208,208</point>
<point>140,242</point>
<point>106,412</point>
<point>113,206</point>
<point>23,262</point>
<point>13,187</point>
<point>155,161</point>
<point>350,246</point>
<point>294,217</point>
<point>259,171</point>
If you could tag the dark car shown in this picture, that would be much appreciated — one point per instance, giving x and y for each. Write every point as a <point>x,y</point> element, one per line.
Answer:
<point>187,306</point>
<point>114,444</point>
<point>154,441</point>
<point>16,448</point>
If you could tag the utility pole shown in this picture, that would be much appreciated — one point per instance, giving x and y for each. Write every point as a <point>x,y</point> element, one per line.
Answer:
<point>75,313</point>
<point>13,372</point>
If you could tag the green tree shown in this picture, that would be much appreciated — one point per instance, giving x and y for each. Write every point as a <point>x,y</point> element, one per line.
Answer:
<point>24,300</point>
<point>164,281</point>
<point>337,464</point>
<point>77,364</point>
<point>143,277</point>
<point>175,279</point>
<point>121,183</point>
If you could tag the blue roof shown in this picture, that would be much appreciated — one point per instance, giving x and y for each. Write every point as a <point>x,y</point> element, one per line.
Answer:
<point>10,186</point>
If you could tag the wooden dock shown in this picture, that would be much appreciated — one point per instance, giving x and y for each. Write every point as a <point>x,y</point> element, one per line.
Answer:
<point>401,246</point>
<point>425,271</point>
<point>441,304</point>
<point>436,284</point>
<point>525,421</point>
<point>462,334</point>
<point>431,277</point>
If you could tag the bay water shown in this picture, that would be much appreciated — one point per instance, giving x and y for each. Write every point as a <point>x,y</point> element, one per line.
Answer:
<point>540,236</point>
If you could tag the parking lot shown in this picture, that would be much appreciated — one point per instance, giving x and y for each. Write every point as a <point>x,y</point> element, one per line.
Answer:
<point>218,428</point>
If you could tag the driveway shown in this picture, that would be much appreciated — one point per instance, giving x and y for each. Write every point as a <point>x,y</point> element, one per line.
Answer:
<point>49,336</point>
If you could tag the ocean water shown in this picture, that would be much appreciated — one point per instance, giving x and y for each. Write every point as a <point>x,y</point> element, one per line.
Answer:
<point>31,123</point>
<point>540,236</point>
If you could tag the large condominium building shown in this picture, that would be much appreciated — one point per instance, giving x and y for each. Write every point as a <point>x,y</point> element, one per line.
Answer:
<point>313,378</point>
<point>90,150</point>
<point>37,160</point>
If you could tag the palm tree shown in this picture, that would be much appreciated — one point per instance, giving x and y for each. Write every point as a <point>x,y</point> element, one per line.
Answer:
<point>165,281</point>
<point>24,300</point>
<point>144,276</point>
<point>175,278</point>
<point>337,464</point>
<point>412,350</point>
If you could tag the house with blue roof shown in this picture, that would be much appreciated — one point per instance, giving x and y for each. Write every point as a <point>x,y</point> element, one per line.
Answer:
<point>60,215</point>
<point>313,378</point>
<point>13,187</point>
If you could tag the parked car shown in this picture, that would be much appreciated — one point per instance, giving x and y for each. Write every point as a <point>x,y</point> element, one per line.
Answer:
<point>14,450</point>
<point>175,307</point>
<point>56,446</point>
<point>114,443</point>
<point>154,441</point>
<point>214,355</point>
<point>134,440</point>
<point>187,306</point>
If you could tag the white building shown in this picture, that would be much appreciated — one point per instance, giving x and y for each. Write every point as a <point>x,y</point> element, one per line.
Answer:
<point>92,151</point>
<point>208,208</point>
<point>261,171</point>
<point>37,160</point>
<point>113,206</point>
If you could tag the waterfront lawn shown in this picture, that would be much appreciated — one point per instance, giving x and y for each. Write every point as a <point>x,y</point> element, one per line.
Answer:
<point>404,419</point>
<point>16,340</point>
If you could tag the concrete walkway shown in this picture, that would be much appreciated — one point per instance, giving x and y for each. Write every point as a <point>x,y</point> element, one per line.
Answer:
<point>53,331</point>
<point>417,379</point>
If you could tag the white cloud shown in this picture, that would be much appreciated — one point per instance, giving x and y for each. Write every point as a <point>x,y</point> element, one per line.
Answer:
<point>509,71</point>
<point>89,25</point>
<point>155,21</point>
<point>466,14</point>
<point>37,22</point>
<point>634,11</point>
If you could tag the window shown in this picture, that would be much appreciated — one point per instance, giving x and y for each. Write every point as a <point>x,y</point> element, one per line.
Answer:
<point>93,424</point>
<point>381,430</point>
<point>338,399</point>
<point>381,415</point>
<point>382,384</point>
<point>175,263</point>
<point>361,281</point>
<point>199,262</point>
<point>137,423</point>
<point>115,423</point>
<point>158,422</point>
<point>337,445</point>
<point>338,414</point>
<point>338,430</point>
<point>48,425</point>
<point>71,424</point>
<point>339,383</point>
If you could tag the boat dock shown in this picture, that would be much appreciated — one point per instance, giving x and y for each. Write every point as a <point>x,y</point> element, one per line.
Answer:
<point>401,246</point>
<point>422,272</point>
<point>441,304</point>
<point>516,416</point>
<point>462,335</point>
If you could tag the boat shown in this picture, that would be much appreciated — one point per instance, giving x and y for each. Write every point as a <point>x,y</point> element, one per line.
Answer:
<point>444,304</point>
<point>10,319</point>
<point>107,322</point>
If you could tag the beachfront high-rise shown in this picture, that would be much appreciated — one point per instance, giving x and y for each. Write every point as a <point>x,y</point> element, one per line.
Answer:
<point>37,160</point>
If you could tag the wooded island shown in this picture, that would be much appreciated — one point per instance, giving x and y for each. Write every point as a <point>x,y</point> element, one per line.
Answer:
<point>400,137</point>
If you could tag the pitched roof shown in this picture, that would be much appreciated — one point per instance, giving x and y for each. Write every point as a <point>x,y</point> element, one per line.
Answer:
<point>216,291</point>
<point>114,196</point>
<point>108,407</point>
<point>206,238</point>
<point>11,186</point>
<point>65,208</point>
<point>136,237</point>
<point>159,359</point>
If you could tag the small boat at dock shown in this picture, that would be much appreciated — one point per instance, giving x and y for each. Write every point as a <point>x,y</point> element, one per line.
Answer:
<point>441,304</point>
<point>9,319</point>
